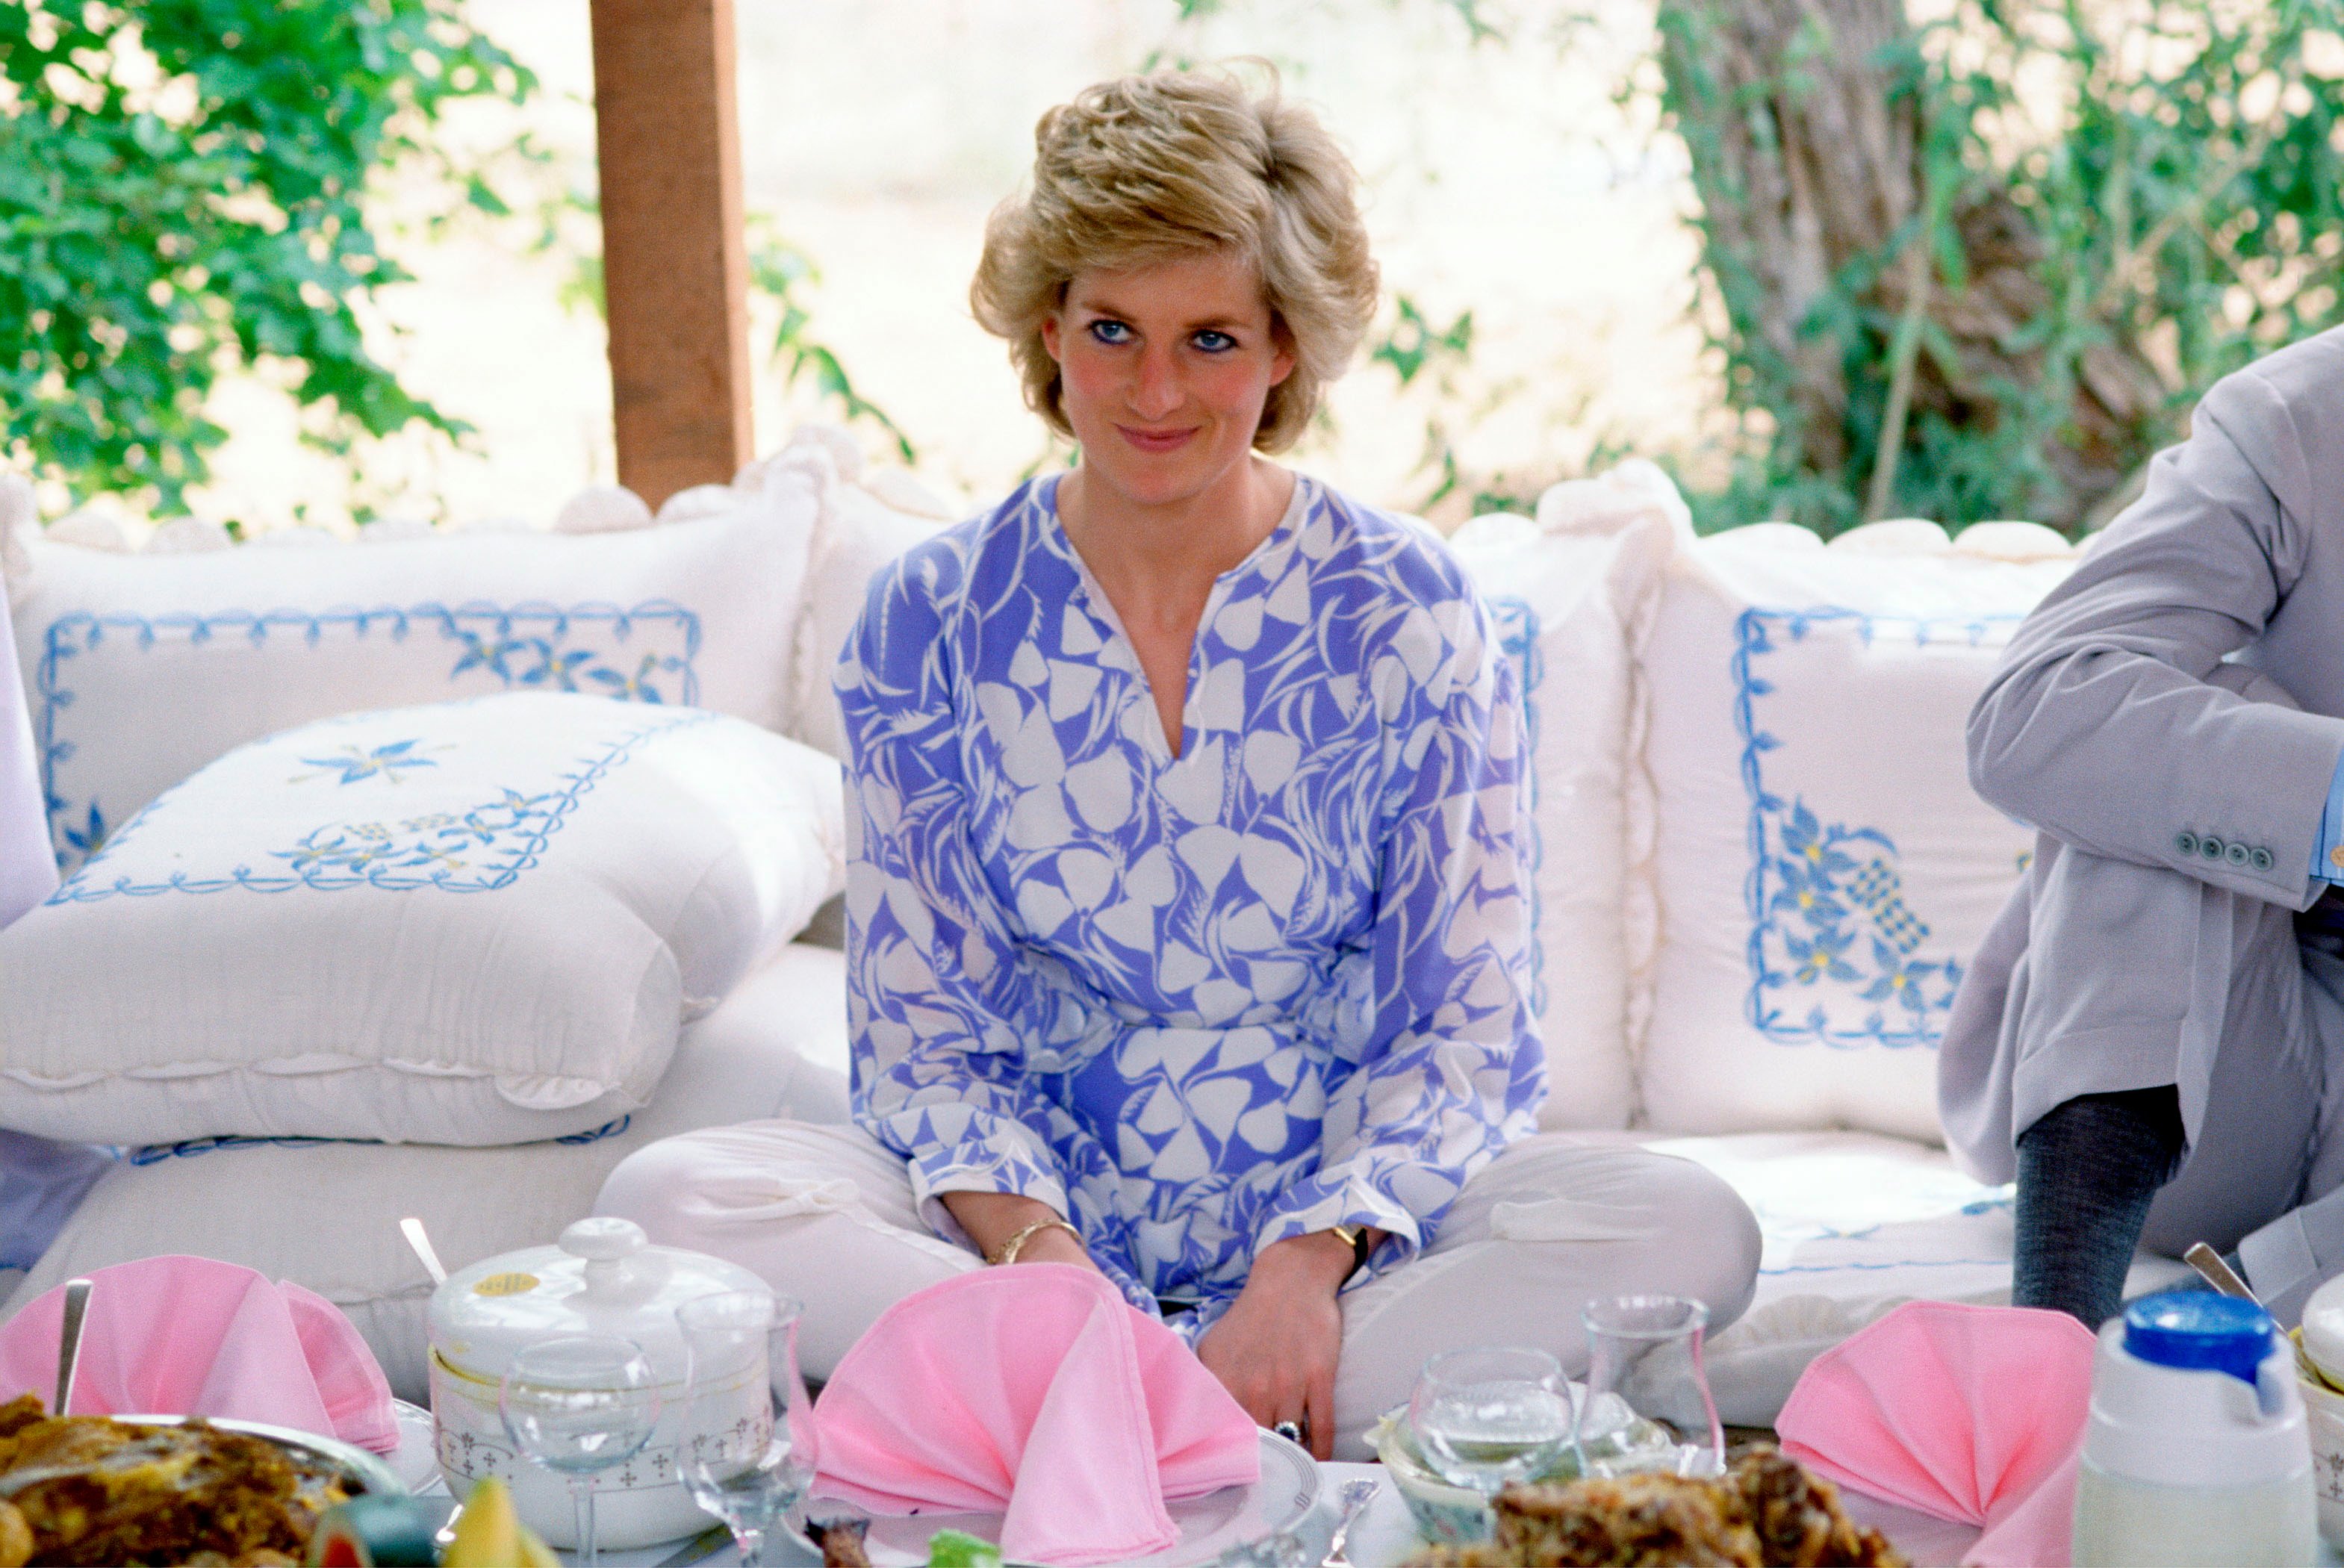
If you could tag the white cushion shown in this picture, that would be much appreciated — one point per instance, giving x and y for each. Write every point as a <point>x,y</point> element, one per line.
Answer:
<point>1854,1226</point>
<point>1824,870</point>
<point>471,923</point>
<point>863,523</point>
<point>140,669</point>
<point>325,1215</point>
<point>1573,595</point>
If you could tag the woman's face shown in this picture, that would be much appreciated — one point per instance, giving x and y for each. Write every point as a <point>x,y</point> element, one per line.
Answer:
<point>1164,370</point>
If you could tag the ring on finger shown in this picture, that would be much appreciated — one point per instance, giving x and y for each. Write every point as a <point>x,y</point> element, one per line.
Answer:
<point>1292,1432</point>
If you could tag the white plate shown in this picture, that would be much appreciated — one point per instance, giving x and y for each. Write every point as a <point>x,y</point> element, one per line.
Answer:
<point>1209,1525</point>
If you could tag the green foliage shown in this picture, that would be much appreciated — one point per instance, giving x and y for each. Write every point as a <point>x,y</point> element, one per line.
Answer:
<point>1412,341</point>
<point>182,187</point>
<point>2176,171</point>
<point>778,271</point>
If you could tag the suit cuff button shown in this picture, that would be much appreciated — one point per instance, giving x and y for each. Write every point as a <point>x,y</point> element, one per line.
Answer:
<point>2238,853</point>
<point>2211,848</point>
<point>2262,860</point>
<point>2186,841</point>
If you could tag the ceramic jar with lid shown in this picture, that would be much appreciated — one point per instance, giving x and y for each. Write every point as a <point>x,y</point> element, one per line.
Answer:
<point>604,1277</point>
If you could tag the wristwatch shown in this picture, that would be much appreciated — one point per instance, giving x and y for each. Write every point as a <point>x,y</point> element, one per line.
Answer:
<point>1356,1236</point>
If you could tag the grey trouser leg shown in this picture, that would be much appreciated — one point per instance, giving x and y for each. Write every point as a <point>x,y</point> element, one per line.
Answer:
<point>2136,976</point>
<point>2287,1258</point>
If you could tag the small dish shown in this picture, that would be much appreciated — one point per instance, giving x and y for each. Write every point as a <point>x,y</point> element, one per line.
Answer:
<point>1449,1515</point>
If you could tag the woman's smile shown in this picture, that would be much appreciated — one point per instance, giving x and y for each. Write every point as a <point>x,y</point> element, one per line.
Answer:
<point>1149,440</point>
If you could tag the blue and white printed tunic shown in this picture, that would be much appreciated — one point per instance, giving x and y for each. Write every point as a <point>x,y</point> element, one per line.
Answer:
<point>1197,1004</point>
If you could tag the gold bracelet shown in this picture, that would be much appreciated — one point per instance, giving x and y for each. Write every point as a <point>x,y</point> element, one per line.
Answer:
<point>1007,1251</point>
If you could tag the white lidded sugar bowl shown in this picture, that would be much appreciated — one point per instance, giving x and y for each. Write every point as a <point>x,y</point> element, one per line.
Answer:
<point>603,1279</point>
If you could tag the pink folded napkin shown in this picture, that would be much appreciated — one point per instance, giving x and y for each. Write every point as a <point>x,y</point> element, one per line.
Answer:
<point>1974,1415</point>
<point>1039,1392</point>
<point>192,1336</point>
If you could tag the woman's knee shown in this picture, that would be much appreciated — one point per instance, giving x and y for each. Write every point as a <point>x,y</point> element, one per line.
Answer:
<point>1676,1226</point>
<point>681,1189</point>
<point>648,1187</point>
<point>1721,1242</point>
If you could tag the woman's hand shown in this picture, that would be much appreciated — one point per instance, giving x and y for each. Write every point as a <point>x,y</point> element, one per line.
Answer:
<point>1276,1347</point>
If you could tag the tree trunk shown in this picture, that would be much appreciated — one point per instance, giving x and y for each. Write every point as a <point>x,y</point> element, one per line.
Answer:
<point>1804,119</point>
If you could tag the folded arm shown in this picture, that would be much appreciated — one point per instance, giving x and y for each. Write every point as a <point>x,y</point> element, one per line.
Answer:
<point>2115,725</point>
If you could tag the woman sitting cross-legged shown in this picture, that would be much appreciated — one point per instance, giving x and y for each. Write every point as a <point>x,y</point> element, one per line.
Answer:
<point>1186,913</point>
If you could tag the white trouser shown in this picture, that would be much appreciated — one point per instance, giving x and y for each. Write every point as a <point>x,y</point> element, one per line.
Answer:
<point>825,1214</point>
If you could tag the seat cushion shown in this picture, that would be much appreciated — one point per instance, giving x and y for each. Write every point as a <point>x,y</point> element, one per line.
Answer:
<point>325,1215</point>
<point>1855,1224</point>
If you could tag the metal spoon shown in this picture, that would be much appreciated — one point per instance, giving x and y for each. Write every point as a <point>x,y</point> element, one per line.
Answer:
<point>2225,1278</point>
<point>1354,1497</point>
<point>412,1229</point>
<point>2217,1273</point>
<point>69,1342</point>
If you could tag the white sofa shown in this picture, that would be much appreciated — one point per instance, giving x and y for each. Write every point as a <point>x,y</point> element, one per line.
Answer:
<point>1759,866</point>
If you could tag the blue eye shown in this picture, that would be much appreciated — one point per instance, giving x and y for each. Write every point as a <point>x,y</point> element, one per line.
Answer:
<point>1111,331</point>
<point>1213,343</point>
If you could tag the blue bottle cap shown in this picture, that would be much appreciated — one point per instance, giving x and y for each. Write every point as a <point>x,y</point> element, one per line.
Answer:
<point>2199,1330</point>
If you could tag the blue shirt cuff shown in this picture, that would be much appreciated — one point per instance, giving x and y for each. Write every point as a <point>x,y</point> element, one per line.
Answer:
<point>2325,866</point>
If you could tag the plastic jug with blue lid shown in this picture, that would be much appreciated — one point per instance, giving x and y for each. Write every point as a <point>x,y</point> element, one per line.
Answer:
<point>2196,1450</point>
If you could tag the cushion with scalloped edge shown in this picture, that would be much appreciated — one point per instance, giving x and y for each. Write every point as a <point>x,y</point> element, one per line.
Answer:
<point>480,922</point>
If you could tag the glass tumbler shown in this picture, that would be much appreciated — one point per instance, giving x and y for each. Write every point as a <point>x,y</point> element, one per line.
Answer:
<point>1485,1418</point>
<point>745,1441</point>
<point>1644,1358</point>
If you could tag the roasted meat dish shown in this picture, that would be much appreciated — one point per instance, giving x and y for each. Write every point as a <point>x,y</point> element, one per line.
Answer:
<point>1764,1513</point>
<point>88,1489</point>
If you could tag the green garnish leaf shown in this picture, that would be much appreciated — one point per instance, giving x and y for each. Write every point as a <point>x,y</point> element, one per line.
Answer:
<point>951,1549</point>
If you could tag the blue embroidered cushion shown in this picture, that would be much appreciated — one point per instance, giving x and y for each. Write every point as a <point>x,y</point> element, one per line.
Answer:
<point>1823,869</point>
<point>473,923</point>
<point>139,669</point>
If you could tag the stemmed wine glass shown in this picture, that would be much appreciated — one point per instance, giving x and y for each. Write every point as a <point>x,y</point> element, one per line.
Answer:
<point>1644,1358</point>
<point>1486,1418</point>
<point>745,1444</point>
<point>580,1405</point>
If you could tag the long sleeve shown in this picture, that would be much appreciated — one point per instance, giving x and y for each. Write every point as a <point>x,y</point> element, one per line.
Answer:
<point>2114,723</point>
<point>939,1003</point>
<point>1449,1067</point>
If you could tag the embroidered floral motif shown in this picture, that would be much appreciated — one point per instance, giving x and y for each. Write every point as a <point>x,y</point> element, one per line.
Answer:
<point>353,763</point>
<point>479,849</point>
<point>480,839</point>
<point>1834,943</point>
<point>646,654</point>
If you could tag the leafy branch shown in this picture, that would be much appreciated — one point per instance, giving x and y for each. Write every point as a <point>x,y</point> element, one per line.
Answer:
<point>182,192</point>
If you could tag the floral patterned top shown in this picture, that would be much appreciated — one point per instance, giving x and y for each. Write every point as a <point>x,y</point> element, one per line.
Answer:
<point>1196,1003</point>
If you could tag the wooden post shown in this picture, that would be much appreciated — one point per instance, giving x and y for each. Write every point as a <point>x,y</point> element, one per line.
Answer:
<point>675,266</point>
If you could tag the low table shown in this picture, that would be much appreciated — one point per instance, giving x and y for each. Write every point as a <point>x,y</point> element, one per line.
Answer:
<point>1385,1535</point>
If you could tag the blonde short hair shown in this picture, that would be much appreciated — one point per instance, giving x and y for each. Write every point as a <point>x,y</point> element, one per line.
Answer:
<point>1149,168</point>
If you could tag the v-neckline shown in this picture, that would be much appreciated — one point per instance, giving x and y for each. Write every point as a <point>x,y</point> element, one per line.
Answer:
<point>1159,745</point>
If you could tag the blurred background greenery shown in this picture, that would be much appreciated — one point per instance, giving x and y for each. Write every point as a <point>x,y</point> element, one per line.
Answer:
<point>290,260</point>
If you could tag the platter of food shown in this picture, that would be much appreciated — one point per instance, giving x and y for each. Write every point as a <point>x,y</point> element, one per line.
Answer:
<point>113,1490</point>
<point>1208,1525</point>
<point>1766,1512</point>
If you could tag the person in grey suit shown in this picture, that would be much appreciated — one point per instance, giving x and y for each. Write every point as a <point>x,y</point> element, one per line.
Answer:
<point>2150,1040</point>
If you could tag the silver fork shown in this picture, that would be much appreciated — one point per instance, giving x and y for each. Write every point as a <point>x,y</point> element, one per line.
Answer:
<point>1354,1496</point>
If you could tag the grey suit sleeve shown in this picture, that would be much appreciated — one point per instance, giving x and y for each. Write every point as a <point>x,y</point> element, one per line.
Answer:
<point>2112,724</point>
